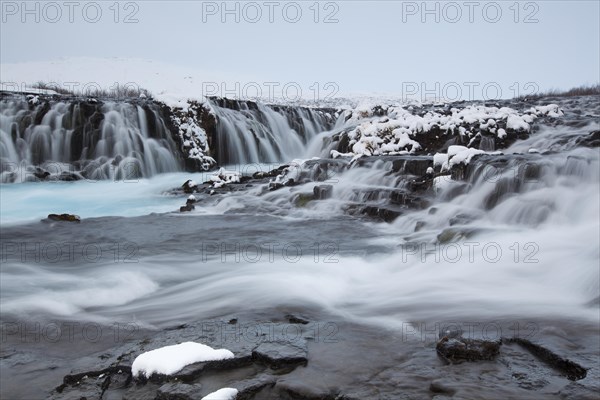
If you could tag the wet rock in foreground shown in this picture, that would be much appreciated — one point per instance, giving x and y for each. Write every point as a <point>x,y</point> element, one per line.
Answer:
<point>568,368</point>
<point>178,391</point>
<point>457,350</point>
<point>259,363</point>
<point>278,355</point>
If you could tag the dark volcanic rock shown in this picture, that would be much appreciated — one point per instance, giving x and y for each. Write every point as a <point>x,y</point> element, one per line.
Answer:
<point>292,319</point>
<point>188,207</point>
<point>278,354</point>
<point>383,213</point>
<point>69,176</point>
<point>86,388</point>
<point>179,391</point>
<point>570,369</point>
<point>64,217</point>
<point>189,186</point>
<point>458,350</point>
<point>591,140</point>
<point>306,391</point>
<point>412,165</point>
<point>251,389</point>
<point>441,386</point>
<point>193,371</point>
<point>275,186</point>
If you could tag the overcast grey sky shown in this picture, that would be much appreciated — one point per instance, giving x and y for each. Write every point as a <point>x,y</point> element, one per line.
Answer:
<point>366,46</point>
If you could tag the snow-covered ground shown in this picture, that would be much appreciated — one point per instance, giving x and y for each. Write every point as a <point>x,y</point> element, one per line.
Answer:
<point>171,84</point>
<point>165,81</point>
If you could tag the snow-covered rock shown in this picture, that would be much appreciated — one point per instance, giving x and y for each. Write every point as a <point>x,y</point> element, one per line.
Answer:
<point>223,177</point>
<point>222,394</point>
<point>187,118</point>
<point>394,130</point>
<point>170,359</point>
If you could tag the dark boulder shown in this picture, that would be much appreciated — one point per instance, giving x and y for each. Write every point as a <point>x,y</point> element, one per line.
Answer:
<point>179,391</point>
<point>64,217</point>
<point>188,207</point>
<point>457,350</point>
<point>189,186</point>
<point>570,369</point>
<point>275,185</point>
<point>278,355</point>
<point>591,140</point>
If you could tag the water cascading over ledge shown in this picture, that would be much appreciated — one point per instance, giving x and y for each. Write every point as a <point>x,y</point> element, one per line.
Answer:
<point>251,132</point>
<point>69,138</point>
<point>75,138</point>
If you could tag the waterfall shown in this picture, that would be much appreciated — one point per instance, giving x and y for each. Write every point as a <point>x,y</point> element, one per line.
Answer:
<point>76,138</point>
<point>249,132</point>
<point>84,139</point>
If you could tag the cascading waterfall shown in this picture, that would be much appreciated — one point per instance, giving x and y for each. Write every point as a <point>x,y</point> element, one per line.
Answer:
<point>540,211</point>
<point>249,132</point>
<point>107,140</point>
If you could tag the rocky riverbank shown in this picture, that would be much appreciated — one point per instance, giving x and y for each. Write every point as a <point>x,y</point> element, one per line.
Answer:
<point>292,356</point>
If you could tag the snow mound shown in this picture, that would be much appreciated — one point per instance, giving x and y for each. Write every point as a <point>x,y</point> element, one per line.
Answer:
<point>170,359</point>
<point>222,394</point>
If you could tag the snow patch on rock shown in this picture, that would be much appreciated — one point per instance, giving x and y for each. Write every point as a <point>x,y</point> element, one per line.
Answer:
<point>222,394</point>
<point>170,359</point>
